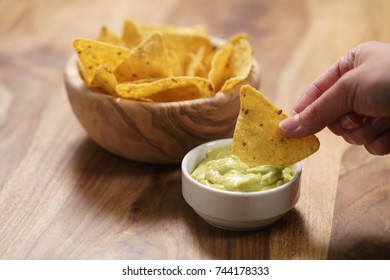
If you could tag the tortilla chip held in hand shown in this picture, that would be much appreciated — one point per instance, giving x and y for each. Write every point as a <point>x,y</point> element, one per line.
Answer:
<point>257,138</point>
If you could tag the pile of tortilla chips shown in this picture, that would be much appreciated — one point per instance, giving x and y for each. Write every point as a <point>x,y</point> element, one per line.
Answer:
<point>257,139</point>
<point>162,63</point>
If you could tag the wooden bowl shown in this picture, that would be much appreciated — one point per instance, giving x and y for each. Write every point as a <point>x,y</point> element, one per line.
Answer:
<point>153,132</point>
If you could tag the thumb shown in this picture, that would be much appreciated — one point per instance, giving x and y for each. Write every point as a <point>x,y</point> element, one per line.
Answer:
<point>305,123</point>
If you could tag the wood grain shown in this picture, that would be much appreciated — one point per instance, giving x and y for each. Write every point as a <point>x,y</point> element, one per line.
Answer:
<point>361,222</point>
<point>64,197</point>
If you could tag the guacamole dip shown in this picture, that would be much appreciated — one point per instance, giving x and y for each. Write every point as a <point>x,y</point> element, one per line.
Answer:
<point>221,170</point>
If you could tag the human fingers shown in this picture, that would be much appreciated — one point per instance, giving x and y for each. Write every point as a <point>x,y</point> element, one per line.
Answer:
<point>363,90</point>
<point>346,123</point>
<point>324,110</point>
<point>365,134</point>
<point>327,79</point>
<point>299,126</point>
<point>373,133</point>
<point>380,146</point>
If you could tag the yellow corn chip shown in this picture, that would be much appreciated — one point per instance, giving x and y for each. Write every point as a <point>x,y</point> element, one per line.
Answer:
<point>104,81</point>
<point>93,53</point>
<point>131,35</point>
<point>182,40</point>
<point>207,58</point>
<point>183,58</point>
<point>257,138</point>
<point>196,66</point>
<point>220,69</point>
<point>240,62</point>
<point>108,37</point>
<point>175,63</point>
<point>148,60</point>
<point>168,89</point>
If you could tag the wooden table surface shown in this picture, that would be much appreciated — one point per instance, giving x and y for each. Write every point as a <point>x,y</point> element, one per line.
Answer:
<point>64,197</point>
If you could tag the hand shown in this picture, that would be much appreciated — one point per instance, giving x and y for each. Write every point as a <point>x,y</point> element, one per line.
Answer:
<point>351,98</point>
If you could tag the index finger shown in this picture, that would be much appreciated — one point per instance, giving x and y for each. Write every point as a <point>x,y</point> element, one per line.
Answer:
<point>326,80</point>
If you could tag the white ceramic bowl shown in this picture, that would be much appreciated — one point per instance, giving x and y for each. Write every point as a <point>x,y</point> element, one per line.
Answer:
<point>236,210</point>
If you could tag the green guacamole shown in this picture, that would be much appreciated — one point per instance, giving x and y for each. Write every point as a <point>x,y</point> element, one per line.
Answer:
<point>223,171</point>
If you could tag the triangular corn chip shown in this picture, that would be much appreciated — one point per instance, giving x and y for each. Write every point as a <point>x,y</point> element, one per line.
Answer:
<point>104,81</point>
<point>196,66</point>
<point>240,62</point>
<point>107,36</point>
<point>93,53</point>
<point>220,65</point>
<point>167,90</point>
<point>257,138</point>
<point>231,63</point>
<point>131,35</point>
<point>148,60</point>
<point>183,40</point>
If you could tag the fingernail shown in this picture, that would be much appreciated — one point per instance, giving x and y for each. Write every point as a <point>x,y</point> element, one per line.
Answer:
<point>290,124</point>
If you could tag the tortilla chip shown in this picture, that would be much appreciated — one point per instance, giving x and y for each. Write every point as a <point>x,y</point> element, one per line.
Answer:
<point>148,60</point>
<point>93,53</point>
<point>196,66</point>
<point>184,41</point>
<point>146,53</point>
<point>231,63</point>
<point>107,36</point>
<point>104,81</point>
<point>168,89</point>
<point>219,71</point>
<point>175,63</point>
<point>131,35</point>
<point>240,62</point>
<point>257,138</point>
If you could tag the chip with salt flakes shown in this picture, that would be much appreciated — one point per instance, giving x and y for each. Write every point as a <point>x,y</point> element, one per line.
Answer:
<point>143,54</point>
<point>94,53</point>
<point>240,62</point>
<point>184,41</point>
<point>104,81</point>
<point>220,62</point>
<point>131,35</point>
<point>231,63</point>
<point>257,139</point>
<point>105,35</point>
<point>167,90</point>
<point>196,66</point>
<point>148,60</point>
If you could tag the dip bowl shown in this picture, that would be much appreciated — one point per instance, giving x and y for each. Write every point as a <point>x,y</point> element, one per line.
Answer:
<point>153,132</point>
<point>236,210</point>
